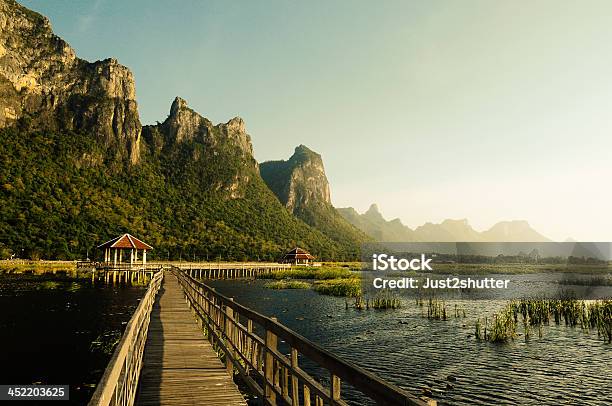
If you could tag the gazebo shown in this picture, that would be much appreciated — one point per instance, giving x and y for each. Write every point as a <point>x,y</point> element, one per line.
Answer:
<point>297,256</point>
<point>113,250</point>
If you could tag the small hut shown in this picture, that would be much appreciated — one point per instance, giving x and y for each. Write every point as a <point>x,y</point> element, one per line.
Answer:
<point>126,243</point>
<point>297,256</point>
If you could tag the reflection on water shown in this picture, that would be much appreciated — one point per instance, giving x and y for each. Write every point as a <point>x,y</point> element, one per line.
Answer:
<point>565,366</point>
<point>60,331</point>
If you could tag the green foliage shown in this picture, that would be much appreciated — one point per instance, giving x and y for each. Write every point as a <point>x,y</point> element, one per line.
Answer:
<point>350,287</point>
<point>65,193</point>
<point>315,272</point>
<point>288,285</point>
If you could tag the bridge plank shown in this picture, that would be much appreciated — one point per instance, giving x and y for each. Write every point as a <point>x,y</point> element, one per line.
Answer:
<point>179,365</point>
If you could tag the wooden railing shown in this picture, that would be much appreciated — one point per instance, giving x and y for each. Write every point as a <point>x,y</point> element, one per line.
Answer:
<point>230,265</point>
<point>120,380</point>
<point>249,342</point>
<point>230,270</point>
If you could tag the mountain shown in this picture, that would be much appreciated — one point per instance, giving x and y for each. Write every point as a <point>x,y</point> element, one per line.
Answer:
<point>374,224</point>
<point>77,167</point>
<point>43,82</point>
<point>513,231</point>
<point>301,185</point>
<point>448,230</point>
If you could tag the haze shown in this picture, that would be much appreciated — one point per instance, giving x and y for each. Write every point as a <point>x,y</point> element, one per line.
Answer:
<point>434,110</point>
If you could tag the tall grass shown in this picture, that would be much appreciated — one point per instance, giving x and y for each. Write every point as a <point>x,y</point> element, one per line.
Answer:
<point>348,287</point>
<point>382,300</point>
<point>536,313</point>
<point>36,267</point>
<point>316,273</point>
<point>288,284</point>
<point>437,309</point>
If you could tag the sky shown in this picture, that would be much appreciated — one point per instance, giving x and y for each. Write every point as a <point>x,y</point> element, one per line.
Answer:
<point>482,110</point>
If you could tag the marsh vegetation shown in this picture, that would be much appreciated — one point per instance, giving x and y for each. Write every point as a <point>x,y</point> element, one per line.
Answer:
<point>531,315</point>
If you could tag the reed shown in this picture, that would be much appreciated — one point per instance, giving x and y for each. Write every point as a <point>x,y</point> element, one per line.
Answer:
<point>436,309</point>
<point>288,284</point>
<point>501,329</point>
<point>382,300</point>
<point>316,273</point>
<point>536,313</point>
<point>386,300</point>
<point>349,287</point>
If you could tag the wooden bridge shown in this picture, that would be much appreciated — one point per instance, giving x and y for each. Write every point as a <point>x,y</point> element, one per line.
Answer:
<point>126,272</point>
<point>229,270</point>
<point>186,342</point>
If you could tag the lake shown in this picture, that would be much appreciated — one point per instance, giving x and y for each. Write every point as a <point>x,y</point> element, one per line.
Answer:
<point>565,366</point>
<point>61,331</point>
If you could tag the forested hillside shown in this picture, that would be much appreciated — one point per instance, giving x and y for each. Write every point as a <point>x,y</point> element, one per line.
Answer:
<point>59,201</point>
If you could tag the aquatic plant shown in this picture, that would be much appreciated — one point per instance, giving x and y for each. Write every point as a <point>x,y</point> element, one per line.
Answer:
<point>316,273</point>
<point>382,300</point>
<point>288,284</point>
<point>436,309</point>
<point>386,300</point>
<point>349,287</point>
<point>536,313</point>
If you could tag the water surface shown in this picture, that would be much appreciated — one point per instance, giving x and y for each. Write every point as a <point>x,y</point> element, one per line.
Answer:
<point>60,331</point>
<point>565,366</point>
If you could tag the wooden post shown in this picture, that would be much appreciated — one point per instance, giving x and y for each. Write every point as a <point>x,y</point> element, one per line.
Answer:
<point>295,394</point>
<point>229,327</point>
<point>271,342</point>
<point>335,388</point>
<point>306,395</point>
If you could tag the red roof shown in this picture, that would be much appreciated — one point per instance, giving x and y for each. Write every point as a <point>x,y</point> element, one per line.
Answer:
<point>298,253</point>
<point>126,241</point>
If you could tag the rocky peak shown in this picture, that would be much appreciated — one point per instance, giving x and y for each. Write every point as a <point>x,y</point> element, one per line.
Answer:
<point>41,77</point>
<point>235,132</point>
<point>236,125</point>
<point>178,104</point>
<point>515,230</point>
<point>373,212</point>
<point>184,124</point>
<point>299,181</point>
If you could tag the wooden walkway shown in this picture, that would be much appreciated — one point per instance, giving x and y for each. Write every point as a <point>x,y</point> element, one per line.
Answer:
<point>179,365</point>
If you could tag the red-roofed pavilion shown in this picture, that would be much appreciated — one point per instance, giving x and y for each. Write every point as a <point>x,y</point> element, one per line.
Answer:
<point>297,256</point>
<point>113,249</point>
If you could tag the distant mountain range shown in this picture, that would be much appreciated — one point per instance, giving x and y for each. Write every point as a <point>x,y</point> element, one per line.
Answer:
<point>374,224</point>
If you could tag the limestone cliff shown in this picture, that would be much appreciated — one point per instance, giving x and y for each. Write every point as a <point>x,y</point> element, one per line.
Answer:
<point>299,181</point>
<point>301,185</point>
<point>222,153</point>
<point>43,81</point>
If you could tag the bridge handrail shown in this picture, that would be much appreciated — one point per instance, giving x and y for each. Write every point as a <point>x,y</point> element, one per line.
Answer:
<point>229,265</point>
<point>230,328</point>
<point>120,379</point>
